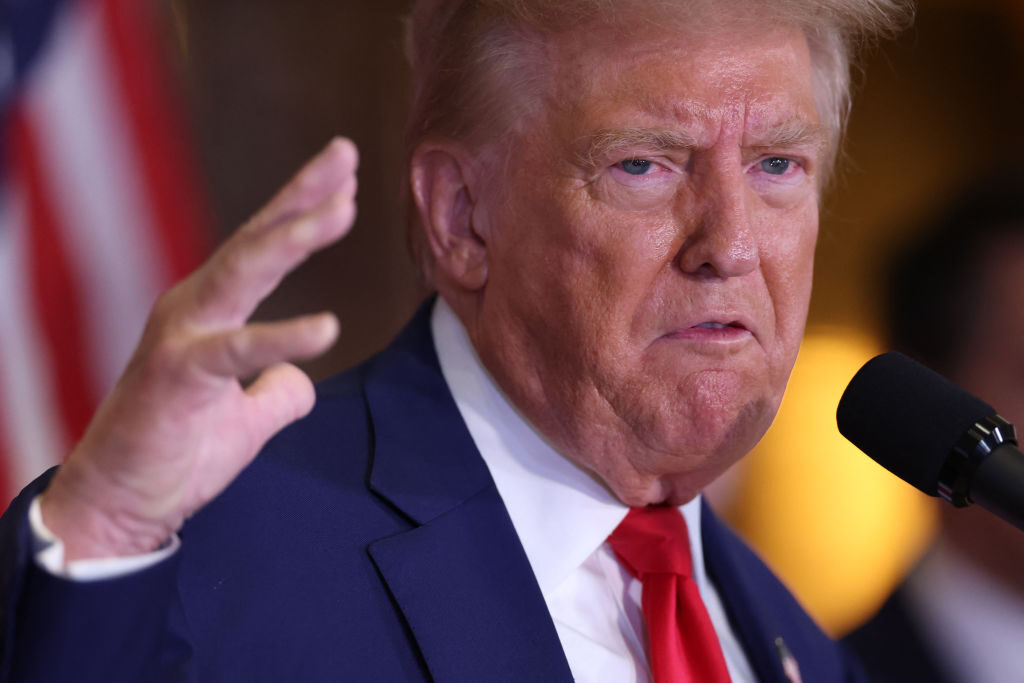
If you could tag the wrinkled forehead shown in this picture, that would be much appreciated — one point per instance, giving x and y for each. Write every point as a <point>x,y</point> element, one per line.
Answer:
<point>757,77</point>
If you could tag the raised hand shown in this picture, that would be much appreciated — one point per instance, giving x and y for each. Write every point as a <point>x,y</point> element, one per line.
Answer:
<point>180,424</point>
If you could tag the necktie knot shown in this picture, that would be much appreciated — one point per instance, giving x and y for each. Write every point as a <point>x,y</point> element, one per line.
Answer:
<point>653,540</point>
<point>653,544</point>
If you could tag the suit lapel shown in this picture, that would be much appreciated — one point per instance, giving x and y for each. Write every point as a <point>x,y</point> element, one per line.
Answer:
<point>472,604</point>
<point>460,575</point>
<point>749,615</point>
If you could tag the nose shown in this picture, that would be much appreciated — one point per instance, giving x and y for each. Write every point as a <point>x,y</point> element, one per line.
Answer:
<point>721,240</point>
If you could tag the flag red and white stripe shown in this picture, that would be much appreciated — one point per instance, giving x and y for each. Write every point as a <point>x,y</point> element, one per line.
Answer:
<point>99,213</point>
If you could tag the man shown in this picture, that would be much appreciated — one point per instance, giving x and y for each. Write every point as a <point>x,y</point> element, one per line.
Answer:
<point>617,203</point>
<point>955,303</point>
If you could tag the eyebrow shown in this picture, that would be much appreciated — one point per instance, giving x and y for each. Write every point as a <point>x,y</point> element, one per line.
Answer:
<point>790,133</point>
<point>794,133</point>
<point>604,142</point>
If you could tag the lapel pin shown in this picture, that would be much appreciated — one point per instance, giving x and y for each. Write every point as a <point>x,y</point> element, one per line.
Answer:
<point>788,661</point>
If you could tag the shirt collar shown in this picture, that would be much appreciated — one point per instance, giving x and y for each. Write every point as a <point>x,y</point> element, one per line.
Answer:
<point>561,513</point>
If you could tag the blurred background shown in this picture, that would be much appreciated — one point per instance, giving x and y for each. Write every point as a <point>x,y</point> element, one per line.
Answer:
<point>261,85</point>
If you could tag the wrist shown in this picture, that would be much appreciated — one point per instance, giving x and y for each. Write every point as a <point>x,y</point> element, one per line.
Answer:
<point>93,523</point>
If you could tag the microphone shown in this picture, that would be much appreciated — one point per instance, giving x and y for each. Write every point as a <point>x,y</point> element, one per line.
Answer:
<point>934,435</point>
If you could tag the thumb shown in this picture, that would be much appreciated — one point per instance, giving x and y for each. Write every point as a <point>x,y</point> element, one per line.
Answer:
<point>280,395</point>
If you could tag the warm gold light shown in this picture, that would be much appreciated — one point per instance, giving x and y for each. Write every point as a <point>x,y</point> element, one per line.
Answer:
<point>837,528</point>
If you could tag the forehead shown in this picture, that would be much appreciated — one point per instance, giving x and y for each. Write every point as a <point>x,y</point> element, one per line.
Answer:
<point>746,77</point>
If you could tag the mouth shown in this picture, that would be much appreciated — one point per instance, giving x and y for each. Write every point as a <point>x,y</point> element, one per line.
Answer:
<point>719,326</point>
<point>713,331</point>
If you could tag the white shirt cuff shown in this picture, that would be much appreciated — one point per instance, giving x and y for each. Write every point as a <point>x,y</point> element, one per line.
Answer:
<point>49,555</point>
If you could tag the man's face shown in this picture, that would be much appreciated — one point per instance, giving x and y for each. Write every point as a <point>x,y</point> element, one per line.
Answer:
<point>650,241</point>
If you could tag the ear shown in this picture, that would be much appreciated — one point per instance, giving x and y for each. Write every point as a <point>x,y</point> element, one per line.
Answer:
<point>443,182</point>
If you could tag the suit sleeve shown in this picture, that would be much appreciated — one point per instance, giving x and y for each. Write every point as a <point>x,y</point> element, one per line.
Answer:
<point>54,629</point>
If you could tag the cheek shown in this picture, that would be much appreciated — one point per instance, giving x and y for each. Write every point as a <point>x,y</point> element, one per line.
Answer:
<point>551,275</point>
<point>632,288</point>
<point>787,260</point>
<point>605,261</point>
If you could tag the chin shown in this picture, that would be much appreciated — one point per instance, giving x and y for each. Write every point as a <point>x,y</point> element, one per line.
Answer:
<point>710,432</point>
<point>683,457</point>
<point>674,489</point>
<point>661,478</point>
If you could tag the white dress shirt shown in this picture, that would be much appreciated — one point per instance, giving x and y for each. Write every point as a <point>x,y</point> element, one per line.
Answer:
<point>563,517</point>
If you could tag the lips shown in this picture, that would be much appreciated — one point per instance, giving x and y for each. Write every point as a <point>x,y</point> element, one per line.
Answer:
<point>720,326</point>
<point>714,328</point>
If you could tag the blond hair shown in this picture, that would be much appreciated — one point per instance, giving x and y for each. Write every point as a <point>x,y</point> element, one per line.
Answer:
<point>467,56</point>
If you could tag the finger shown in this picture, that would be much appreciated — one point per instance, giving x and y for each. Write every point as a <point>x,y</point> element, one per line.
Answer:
<point>331,171</point>
<point>247,351</point>
<point>232,283</point>
<point>280,395</point>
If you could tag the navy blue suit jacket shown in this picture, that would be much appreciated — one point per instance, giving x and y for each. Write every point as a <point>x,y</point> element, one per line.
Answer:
<point>893,647</point>
<point>367,542</point>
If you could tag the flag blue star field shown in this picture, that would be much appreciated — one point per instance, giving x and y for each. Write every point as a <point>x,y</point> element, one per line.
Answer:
<point>99,213</point>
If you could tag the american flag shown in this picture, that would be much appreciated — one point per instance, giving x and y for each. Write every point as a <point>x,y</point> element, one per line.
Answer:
<point>99,213</point>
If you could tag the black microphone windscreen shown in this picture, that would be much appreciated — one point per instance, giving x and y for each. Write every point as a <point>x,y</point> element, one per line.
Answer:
<point>907,417</point>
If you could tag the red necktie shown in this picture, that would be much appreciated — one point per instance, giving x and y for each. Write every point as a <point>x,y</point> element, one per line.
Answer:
<point>653,545</point>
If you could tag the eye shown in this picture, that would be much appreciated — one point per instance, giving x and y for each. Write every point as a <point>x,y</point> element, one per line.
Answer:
<point>775,165</point>
<point>635,166</point>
